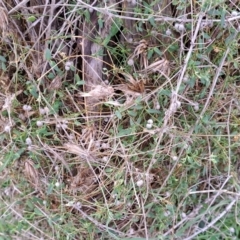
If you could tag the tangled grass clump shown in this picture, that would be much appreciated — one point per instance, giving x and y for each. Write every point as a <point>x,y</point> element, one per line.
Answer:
<point>119,120</point>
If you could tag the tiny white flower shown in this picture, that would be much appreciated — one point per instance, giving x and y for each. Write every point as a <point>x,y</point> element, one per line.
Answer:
<point>56,168</point>
<point>78,205</point>
<point>46,109</point>
<point>105,145</point>
<point>174,158</point>
<point>114,195</point>
<point>150,121</point>
<point>179,27</point>
<point>148,126</point>
<point>28,141</point>
<point>167,194</point>
<point>185,146</point>
<point>178,103</point>
<point>184,215</point>
<point>106,82</point>
<point>139,183</point>
<point>196,107</point>
<point>130,40</point>
<point>58,125</point>
<point>167,213</point>
<point>44,202</point>
<point>134,2</point>
<point>30,148</point>
<point>68,65</point>
<point>185,79</point>
<point>130,62</point>
<point>90,9</point>
<point>42,111</point>
<point>39,123</point>
<point>25,107</point>
<point>157,107</point>
<point>234,13</point>
<point>131,231</point>
<point>168,32</point>
<point>67,68</point>
<point>7,128</point>
<point>154,33</point>
<point>232,230</point>
<point>105,159</point>
<point>57,184</point>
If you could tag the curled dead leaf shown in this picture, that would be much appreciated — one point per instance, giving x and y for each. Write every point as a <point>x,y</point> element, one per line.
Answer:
<point>56,83</point>
<point>31,173</point>
<point>79,151</point>
<point>99,92</point>
<point>162,66</point>
<point>3,20</point>
<point>134,85</point>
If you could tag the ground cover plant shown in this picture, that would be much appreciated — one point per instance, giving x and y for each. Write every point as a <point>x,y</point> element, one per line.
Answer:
<point>119,119</point>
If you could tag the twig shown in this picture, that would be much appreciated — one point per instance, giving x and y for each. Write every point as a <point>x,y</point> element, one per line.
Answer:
<point>227,209</point>
<point>99,225</point>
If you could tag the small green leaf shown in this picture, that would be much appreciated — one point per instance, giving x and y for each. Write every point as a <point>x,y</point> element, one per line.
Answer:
<point>118,114</point>
<point>100,23</point>
<point>156,50</point>
<point>55,67</point>
<point>153,111</point>
<point>149,53</point>
<point>2,58</point>
<point>38,212</point>
<point>152,21</point>
<point>31,19</point>
<point>79,82</point>
<point>51,76</point>
<point>47,54</point>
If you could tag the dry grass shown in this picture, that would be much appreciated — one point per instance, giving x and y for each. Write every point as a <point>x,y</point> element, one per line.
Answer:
<point>149,151</point>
